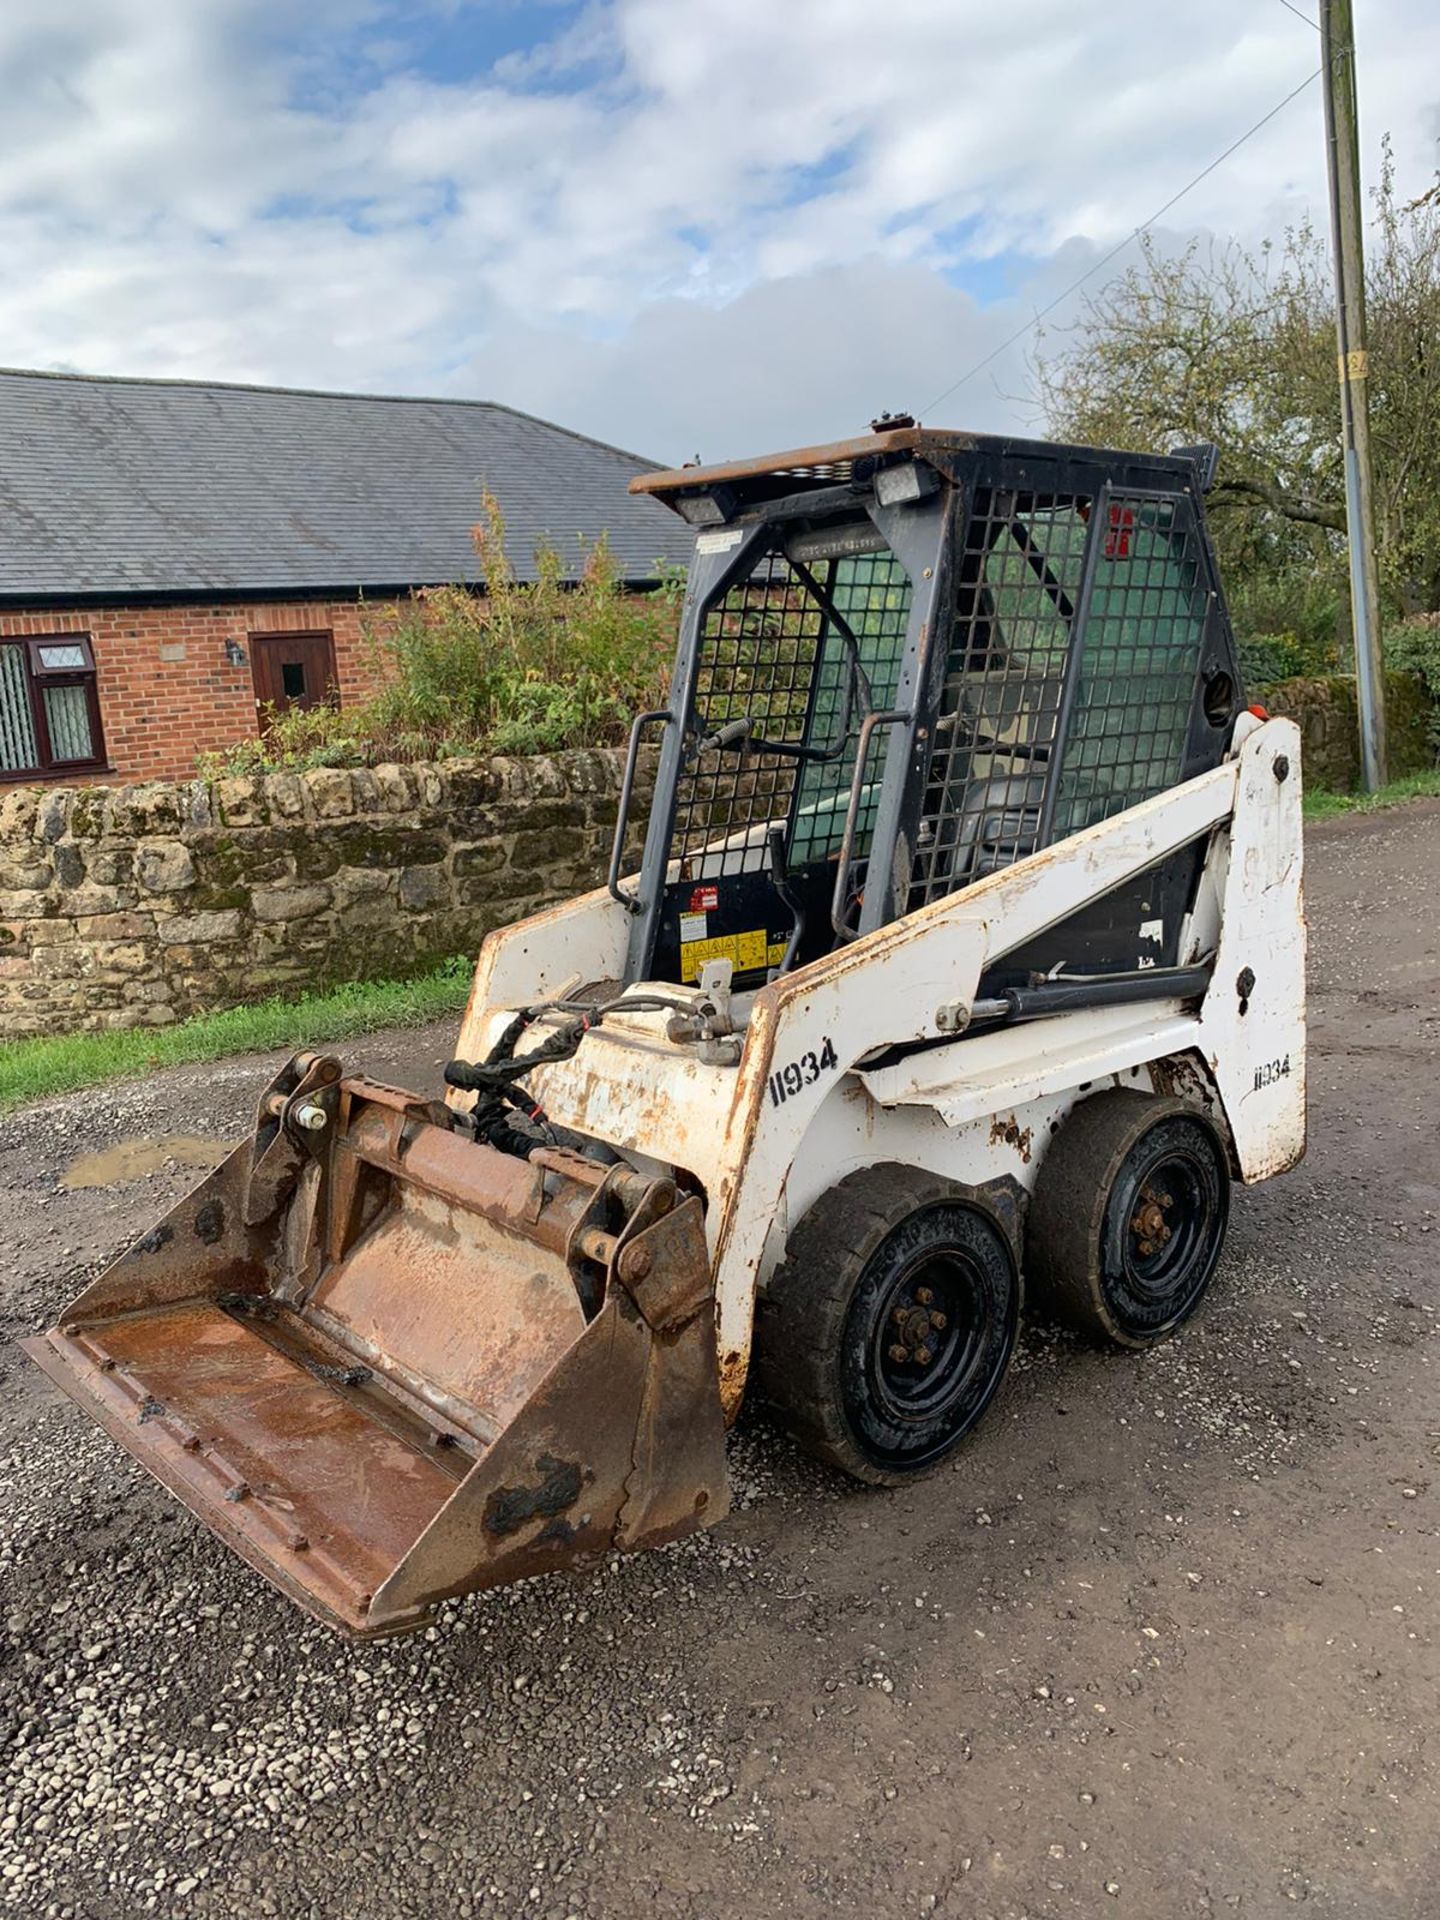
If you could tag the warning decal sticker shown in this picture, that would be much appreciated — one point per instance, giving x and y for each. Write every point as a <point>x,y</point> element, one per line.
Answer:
<point>746,952</point>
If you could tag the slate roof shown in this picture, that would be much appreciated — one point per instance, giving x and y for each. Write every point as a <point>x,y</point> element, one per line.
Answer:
<point>129,489</point>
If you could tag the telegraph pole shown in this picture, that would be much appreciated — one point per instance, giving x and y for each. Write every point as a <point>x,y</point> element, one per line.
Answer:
<point>1342,149</point>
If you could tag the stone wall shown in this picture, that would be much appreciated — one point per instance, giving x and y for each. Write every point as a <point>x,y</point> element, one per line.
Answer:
<point>1328,717</point>
<point>138,905</point>
<point>135,906</point>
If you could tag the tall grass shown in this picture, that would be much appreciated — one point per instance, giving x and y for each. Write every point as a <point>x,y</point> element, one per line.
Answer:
<point>522,667</point>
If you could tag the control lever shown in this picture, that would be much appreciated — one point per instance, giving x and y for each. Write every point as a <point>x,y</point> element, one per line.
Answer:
<point>733,734</point>
<point>780,880</point>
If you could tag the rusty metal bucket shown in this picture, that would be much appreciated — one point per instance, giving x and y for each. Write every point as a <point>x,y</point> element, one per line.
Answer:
<point>388,1365</point>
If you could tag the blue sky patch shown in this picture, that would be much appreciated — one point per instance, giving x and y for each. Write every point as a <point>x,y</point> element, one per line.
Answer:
<point>456,44</point>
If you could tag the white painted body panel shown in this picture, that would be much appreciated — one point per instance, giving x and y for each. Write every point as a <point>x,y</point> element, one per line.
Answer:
<point>976,1110</point>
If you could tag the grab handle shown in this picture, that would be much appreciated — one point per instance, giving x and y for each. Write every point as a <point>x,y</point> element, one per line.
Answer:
<point>839,906</point>
<point>629,901</point>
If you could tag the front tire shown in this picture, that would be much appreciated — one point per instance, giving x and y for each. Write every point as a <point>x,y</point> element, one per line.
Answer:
<point>1129,1217</point>
<point>886,1331</point>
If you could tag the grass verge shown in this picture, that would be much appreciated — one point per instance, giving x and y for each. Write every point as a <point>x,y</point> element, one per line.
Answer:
<point>63,1062</point>
<point>1321,804</point>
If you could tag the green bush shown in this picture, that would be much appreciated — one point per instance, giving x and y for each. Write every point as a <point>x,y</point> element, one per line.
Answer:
<point>1268,658</point>
<point>520,668</point>
<point>1414,647</point>
<point>298,739</point>
<point>1287,625</point>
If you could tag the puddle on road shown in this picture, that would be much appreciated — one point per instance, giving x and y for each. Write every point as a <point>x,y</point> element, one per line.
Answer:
<point>147,1153</point>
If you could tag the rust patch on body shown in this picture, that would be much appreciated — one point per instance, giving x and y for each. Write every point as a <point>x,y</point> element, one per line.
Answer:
<point>912,439</point>
<point>1006,1131</point>
<point>210,1223</point>
<point>734,1366</point>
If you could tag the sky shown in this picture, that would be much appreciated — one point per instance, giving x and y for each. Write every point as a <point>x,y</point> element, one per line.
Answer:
<point>687,227</point>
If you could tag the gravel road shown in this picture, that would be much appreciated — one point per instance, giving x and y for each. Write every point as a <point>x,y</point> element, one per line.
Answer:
<point>1162,1642</point>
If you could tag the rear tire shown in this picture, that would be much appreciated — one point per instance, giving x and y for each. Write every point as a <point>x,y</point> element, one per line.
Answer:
<point>1129,1217</point>
<point>884,1334</point>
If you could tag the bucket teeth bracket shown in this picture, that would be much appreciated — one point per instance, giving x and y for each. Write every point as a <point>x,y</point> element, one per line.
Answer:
<point>294,1121</point>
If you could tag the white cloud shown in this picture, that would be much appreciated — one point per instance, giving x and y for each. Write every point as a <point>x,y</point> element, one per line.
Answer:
<point>687,227</point>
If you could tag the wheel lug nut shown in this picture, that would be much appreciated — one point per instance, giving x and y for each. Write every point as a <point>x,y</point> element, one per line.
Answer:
<point>924,1356</point>
<point>899,1354</point>
<point>898,1316</point>
<point>924,1295</point>
<point>938,1322</point>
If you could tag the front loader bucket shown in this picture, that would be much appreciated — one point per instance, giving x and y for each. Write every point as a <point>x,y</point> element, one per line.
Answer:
<point>387,1364</point>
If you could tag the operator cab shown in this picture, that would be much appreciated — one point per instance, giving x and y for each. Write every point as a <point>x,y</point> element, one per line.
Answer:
<point>908,661</point>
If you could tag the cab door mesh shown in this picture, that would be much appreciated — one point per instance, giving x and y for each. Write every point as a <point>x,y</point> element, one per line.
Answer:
<point>871,593</point>
<point>756,660</point>
<point>1131,686</point>
<point>1019,579</point>
<point>768,653</point>
<point>1072,675</point>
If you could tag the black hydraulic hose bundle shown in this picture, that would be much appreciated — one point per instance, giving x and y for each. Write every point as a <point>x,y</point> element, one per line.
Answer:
<point>505,1114</point>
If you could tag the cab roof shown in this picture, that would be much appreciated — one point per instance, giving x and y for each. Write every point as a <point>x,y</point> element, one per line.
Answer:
<point>839,462</point>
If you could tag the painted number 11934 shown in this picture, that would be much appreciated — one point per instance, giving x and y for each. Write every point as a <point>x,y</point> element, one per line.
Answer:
<point>804,1072</point>
<point>1270,1071</point>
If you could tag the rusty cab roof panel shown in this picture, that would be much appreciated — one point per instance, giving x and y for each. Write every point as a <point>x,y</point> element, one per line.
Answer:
<point>824,464</point>
<point>842,463</point>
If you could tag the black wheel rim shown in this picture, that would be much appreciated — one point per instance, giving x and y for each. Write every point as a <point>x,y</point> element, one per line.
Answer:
<point>929,1332</point>
<point>929,1338</point>
<point>1164,1227</point>
<point>1168,1223</point>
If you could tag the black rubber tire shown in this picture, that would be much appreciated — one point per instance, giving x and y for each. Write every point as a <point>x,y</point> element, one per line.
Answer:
<point>824,1328</point>
<point>1115,1160</point>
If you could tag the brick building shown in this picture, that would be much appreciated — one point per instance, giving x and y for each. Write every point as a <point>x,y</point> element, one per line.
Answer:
<point>173,555</point>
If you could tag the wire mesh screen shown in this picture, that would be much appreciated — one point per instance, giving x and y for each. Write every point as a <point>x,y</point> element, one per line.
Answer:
<point>1140,654</point>
<point>756,661</point>
<point>768,654</point>
<point>1019,580</point>
<point>871,592</point>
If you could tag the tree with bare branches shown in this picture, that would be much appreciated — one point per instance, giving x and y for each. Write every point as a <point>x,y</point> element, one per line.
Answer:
<point>1235,347</point>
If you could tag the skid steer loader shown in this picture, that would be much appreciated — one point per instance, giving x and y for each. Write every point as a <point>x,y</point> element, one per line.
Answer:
<point>967,942</point>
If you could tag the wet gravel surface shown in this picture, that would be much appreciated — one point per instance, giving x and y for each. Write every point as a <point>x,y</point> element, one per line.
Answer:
<point>1162,1641</point>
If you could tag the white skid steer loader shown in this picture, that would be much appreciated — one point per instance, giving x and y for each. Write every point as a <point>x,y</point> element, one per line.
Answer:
<point>967,943</point>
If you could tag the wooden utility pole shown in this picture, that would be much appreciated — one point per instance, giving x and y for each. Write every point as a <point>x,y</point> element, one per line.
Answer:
<point>1342,146</point>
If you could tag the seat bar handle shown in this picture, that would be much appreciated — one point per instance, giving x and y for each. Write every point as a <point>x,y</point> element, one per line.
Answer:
<point>630,901</point>
<point>839,905</point>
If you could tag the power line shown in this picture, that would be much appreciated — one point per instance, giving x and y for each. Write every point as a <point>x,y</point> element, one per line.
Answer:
<point>1300,14</point>
<point>1120,246</point>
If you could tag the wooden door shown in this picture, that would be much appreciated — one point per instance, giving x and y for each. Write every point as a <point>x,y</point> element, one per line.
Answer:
<point>292,669</point>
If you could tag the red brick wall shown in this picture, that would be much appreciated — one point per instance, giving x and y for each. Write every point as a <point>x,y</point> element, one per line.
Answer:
<point>159,711</point>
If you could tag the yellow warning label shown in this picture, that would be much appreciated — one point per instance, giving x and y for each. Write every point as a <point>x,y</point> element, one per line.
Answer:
<point>746,952</point>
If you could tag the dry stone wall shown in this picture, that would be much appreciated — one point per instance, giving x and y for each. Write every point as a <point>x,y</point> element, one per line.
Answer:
<point>136,906</point>
<point>1326,710</point>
